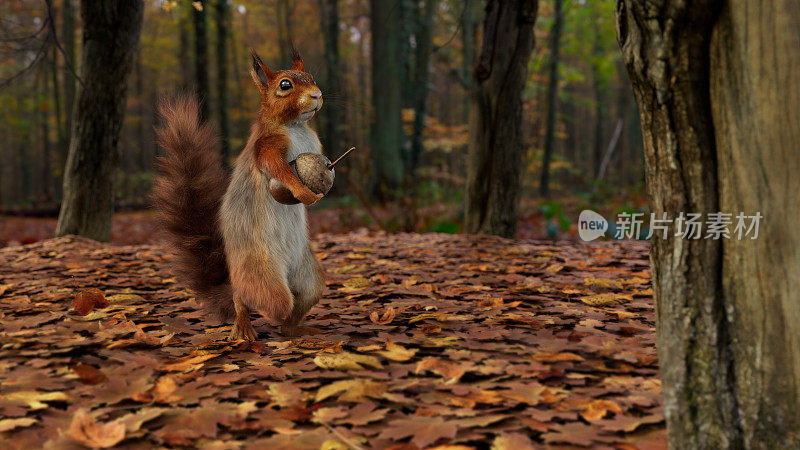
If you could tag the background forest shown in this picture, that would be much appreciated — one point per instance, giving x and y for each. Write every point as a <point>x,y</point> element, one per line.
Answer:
<point>581,138</point>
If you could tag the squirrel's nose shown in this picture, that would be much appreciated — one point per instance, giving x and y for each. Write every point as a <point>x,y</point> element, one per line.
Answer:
<point>316,95</point>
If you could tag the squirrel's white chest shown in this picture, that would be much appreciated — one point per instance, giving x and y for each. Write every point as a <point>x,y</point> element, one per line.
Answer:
<point>302,139</point>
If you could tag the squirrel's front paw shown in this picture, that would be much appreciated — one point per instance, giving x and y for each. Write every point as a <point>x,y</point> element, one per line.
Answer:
<point>308,197</point>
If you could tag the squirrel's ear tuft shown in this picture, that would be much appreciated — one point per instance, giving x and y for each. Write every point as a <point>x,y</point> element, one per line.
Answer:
<point>297,60</point>
<point>261,74</point>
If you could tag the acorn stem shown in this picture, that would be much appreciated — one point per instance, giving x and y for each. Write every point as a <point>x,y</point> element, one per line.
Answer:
<point>330,166</point>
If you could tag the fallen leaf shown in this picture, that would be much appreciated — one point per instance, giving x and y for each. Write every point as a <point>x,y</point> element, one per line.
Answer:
<point>397,352</point>
<point>449,370</point>
<point>383,319</point>
<point>88,374</point>
<point>355,390</point>
<point>85,430</point>
<point>346,361</point>
<point>10,424</point>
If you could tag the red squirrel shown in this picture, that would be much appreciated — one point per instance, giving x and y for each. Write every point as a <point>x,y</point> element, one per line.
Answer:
<point>237,248</point>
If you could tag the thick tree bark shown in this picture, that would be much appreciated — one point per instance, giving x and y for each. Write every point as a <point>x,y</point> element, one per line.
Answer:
<point>221,18</point>
<point>111,31</point>
<point>201,84</point>
<point>728,320</point>
<point>386,130</point>
<point>495,141</point>
<point>552,95</point>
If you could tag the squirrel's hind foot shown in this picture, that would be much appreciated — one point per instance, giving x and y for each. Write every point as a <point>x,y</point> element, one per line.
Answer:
<point>243,330</point>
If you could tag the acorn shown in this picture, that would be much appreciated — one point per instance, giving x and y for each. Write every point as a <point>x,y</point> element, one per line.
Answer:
<point>314,170</point>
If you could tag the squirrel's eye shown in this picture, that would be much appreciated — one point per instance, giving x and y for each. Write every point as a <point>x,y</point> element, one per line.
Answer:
<point>285,85</point>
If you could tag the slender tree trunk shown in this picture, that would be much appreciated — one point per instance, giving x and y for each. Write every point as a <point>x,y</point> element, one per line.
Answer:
<point>67,39</point>
<point>111,31</point>
<point>495,142</point>
<point>469,19</point>
<point>422,34</point>
<point>184,49</point>
<point>42,119</point>
<point>552,96</point>
<point>201,83</point>
<point>333,131</point>
<point>387,131</point>
<point>599,85</point>
<point>719,101</point>
<point>55,176</point>
<point>221,17</point>
<point>283,10</point>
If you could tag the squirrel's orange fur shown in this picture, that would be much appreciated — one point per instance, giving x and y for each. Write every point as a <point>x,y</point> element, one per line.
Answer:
<point>238,248</point>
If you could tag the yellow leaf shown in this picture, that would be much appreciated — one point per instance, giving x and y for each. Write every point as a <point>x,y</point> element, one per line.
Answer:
<point>605,299</point>
<point>35,399</point>
<point>354,284</point>
<point>346,361</point>
<point>198,5</point>
<point>10,424</point>
<point>397,352</point>
<point>603,282</point>
<point>355,390</point>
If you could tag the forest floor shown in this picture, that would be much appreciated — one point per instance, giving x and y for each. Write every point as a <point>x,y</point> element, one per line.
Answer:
<point>424,340</point>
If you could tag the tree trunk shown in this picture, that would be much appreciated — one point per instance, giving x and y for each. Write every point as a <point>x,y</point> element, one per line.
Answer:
<point>283,13</point>
<point>201,84</point>
<point>495,141</point>
<point>469,19</point>
<point>728,319</point>
<point>184,48</point>
<point>387,130</point>
<point>221,18</point>
<point>599,86</point>
<point>68,43</point>
<point>552,97</point>
<point>111,31</point>
<point>422,35</point>
<point>333,130</point>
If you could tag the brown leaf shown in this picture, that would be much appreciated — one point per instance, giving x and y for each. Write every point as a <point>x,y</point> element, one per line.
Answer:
<point>597,409</point>
<point>425,430</point>
<point>383,319</point>
<point>161,392</point>
<point>88,374</point>
<point>446,369</point>
<point>85,430</point>
<point>147,338</point>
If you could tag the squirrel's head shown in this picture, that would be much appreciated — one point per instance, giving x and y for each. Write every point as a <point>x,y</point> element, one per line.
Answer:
<point>286,95</point>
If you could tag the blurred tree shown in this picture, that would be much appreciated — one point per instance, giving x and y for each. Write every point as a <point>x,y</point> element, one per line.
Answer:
<point>110,35</point>
<point>201,85</point>
<point>552,92</point>
<point>423,20</point>
<point>495,141</point>
<point>719,99</point>
<point>386,131</point>
<point>283,14</point>
<point>332,131</point>
<point>221,18</point>
<point>68,43</point>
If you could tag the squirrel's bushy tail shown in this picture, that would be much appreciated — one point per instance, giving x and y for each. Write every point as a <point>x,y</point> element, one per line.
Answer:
<point>187,195</point>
